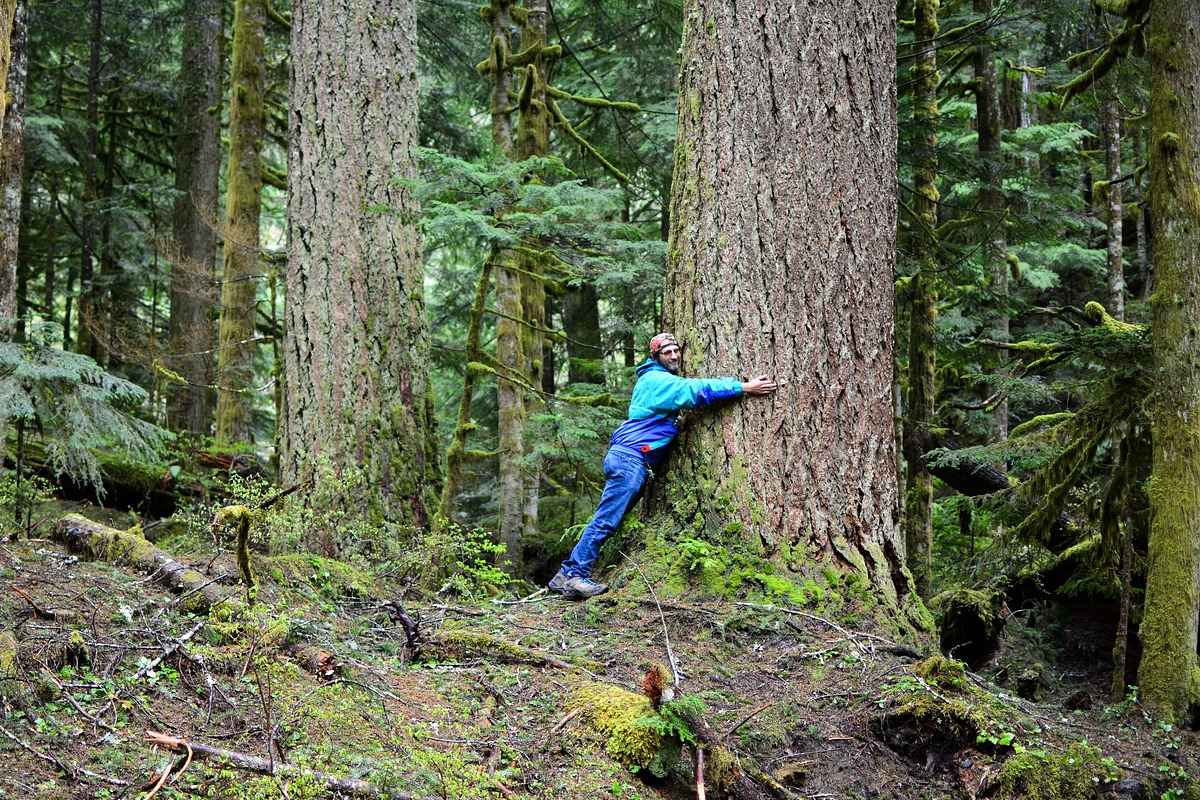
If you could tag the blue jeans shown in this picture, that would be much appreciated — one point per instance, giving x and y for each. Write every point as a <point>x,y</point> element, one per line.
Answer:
<point>624,474</point>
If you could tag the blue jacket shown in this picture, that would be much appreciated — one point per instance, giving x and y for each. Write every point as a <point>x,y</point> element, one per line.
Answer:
<point>658,397</point>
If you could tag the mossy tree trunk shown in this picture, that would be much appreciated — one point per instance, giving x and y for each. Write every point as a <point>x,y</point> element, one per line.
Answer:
<point>1110,125</point>
<point>780,261</point>
<point>1168,677</point>
<point>357,352</point>
<point>243,202</point>
<point>12,159</point>
<point>922,295</point>
<point>992,201</point>
<point>197,169</point>
<point>533,140</point>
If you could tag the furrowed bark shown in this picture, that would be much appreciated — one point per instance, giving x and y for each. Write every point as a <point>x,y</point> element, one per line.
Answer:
<point>243,201</point>
<point>357,355</point>
<point>1169,677</point>
<point>780,261</point>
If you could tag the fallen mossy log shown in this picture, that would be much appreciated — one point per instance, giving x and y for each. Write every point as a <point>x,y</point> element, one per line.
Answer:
<point>128,484</point>
<point>102,543</point>
<point>245,761</point>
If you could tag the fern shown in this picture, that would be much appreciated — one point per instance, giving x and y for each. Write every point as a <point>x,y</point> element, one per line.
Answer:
<point>74,405</point>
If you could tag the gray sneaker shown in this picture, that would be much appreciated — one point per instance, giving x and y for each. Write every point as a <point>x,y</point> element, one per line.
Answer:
<point>576,588</point>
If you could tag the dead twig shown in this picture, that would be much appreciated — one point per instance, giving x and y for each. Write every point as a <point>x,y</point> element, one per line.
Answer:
<point>734,728</point>
<point>62,766</point>
<point>562,723</point>
<point>677,672</point>
<point>261,766</point>
<point>170,650</point>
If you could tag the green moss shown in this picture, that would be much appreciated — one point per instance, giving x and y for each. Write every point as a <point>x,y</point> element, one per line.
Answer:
<point>327,576</point>
<point>1040,422</point>
<point>627,721</point>
<point>1035,775</point>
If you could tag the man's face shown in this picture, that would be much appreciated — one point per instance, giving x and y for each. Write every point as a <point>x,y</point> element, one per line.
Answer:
<point>670,357</point>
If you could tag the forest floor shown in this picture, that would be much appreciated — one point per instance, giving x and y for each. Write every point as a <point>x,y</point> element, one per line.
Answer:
<point>321,677</point>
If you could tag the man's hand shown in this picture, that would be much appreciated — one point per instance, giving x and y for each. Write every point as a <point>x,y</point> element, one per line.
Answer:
<point>761,385</point>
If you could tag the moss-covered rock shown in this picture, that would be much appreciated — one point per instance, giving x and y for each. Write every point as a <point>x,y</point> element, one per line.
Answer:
<point>628,723</point>
<point>1076,774</point>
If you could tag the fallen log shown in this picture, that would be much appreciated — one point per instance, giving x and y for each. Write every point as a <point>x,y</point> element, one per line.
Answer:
<point>245,761</point>
<point>102,543</point>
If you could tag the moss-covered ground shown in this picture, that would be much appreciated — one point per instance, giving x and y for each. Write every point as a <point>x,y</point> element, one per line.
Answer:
<point>534,698</point>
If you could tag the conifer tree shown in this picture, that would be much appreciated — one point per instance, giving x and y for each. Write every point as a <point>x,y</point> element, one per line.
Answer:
<point>1169,676</point>
<point>358,395</point>
<point>235,355</point>
<point>780,261</point>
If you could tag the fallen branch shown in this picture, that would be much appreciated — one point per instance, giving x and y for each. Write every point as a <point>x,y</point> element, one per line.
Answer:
<point>168,651</point>
<point>250,763</point>
<point>678,673</point>
<point>102,543</point>
<point>62,766</point>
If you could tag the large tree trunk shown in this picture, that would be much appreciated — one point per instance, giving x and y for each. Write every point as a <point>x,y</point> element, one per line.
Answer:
<point>12,162</point>
<point>1110,122</point>
<point>357,354</point>
<point>780,261</point>
<point>922,293</point>
<point>243,201</point>
<point>197,169</point>
<point>1169,678</point>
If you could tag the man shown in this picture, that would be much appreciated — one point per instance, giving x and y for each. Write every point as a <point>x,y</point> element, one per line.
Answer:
<point>639,445</point>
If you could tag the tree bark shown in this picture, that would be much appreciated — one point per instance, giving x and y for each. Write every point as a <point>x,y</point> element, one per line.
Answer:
<point>243,201</point>
<point>85,340</point>
<point>1110,123</point>
<point>12,157</point>
<point>992,201</point>
<point>780,261</point>
<point>357,354</point>
<point>1168,677</point>
<point>197,170</point>
<point>922,292</point>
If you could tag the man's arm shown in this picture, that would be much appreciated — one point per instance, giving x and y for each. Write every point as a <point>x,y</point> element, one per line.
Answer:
<point>669,393</point>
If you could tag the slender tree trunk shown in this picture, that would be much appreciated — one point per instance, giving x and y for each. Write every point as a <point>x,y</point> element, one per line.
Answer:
<point>1168,677</point>
<point>1144,236</point>
<point>243,202</point>
<point>533,140</point>
<point>8,13</point>
<point>780,261</point>
<point>111,343</point>
<point>992,201</point>
<point>1110,114</point>
<point>457,454</point>
<point>918,507</point>
<point>197,170</point>
<point>12,159</point>
<point>85,340</point>
<point>357,354</point>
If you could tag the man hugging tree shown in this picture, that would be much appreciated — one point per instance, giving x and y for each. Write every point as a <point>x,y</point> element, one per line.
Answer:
<point>639,445</point>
